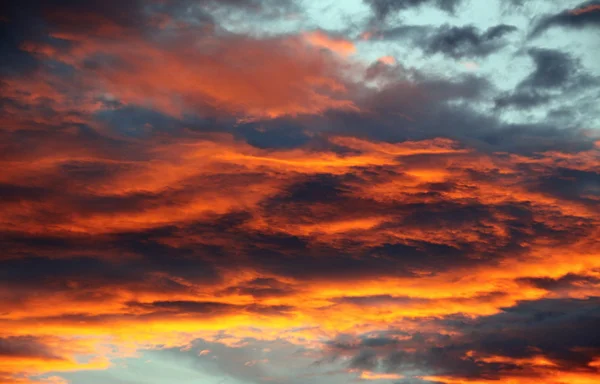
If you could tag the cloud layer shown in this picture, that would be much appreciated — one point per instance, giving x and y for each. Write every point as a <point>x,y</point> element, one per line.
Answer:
<point>275,205</point>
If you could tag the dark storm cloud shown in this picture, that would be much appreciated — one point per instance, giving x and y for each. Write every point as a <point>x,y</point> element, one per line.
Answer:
<point>120,209</point>
<point>333,264</point>
<point>561,330</point>
<point>261,287</point>
<point>15,61</point>
<point>410,99</point>
<point>382,8</point>
<point>582,186</point>
<point>298,206</point>
<point>208,308</point>
<point>462,123</point>
<point>45,271</point>
<point>131,14</point>
<point>191,307</point>
<point>94,201</point>
<point>321,262</point>
<point>86,204</point>
<point>438,108</point>
<point>289,255</point>
<point>555,74</point>
<point>135,121</point>
<point>25,346</point>
<point>378,300</point>
<point>468,41</point>
<point>80,276</point>
<point>37,270</point>
<point>320,188</point>
<point>280,133</point>
<point>584,15</point>
<point>552,69</point>
<point>567,281</point>
<point>453,41</point>
<point>192,262</point>
<point>406,32</point>
<point>522,99</point>
<point>366,360</point>
<point>284,254</point>
<point>36,20</point>
<point>394,259</point>
<point>12,193</point>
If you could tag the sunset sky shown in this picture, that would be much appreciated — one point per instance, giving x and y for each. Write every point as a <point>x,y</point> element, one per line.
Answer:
<point>299,192</point>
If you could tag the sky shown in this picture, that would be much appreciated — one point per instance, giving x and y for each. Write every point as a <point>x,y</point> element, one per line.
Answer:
<point>299,192</point>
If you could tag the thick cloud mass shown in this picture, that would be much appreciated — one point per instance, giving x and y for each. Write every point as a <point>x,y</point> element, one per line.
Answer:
<point>280,192</point>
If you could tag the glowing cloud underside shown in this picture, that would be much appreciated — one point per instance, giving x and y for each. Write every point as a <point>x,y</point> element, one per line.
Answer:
<point>250,207</point>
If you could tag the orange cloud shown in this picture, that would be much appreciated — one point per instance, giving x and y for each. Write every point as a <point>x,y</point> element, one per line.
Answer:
<point>252,176</point>
<point>581,11</point>
<point>365,375</point>
<point>335,44</point>
<point>247,77</point>
<point>115,243</point>
<point>388,60</point>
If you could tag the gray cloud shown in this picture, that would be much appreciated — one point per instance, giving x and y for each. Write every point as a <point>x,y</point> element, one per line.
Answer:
<point>558,329</point>
<point>382,8</point>
<point>556,74</point>
<point>468,41</point>
<point>576,18</point>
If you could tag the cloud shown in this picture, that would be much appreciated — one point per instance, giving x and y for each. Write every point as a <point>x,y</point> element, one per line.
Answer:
<point>382,8</point>
<point>261,287</point>
<point>461,42</point>
<point>276,197</point>
<point>584,15</point>
<point>24,346</point>
<point>338,45</point>
<point>144,233</point>
<point>206,308</point>
<point>88,45</point>
<point>522,99</point>
<point>556,74</point>
<point>512,343</point>
<point>302,80</point>
<point>568,283</point>
<point>552,69</point>
<point>456,42</point>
